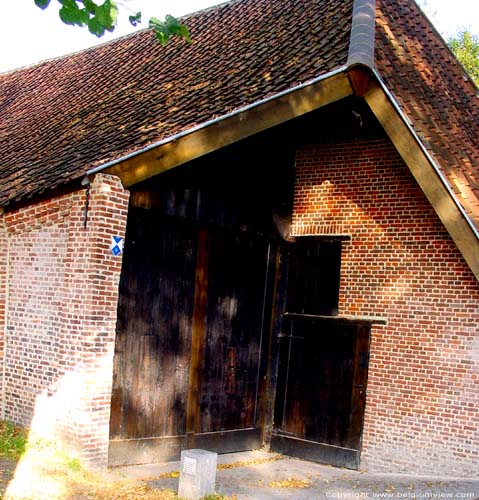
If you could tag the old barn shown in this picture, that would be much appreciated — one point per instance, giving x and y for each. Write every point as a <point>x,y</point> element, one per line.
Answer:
<point>267,237</point>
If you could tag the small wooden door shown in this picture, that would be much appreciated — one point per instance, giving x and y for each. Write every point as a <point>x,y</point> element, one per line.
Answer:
<point>323,362</point>
<point>321,390</point>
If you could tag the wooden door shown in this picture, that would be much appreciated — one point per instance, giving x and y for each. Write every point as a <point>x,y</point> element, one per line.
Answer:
<point>323,362</point>
<point>321,390</point>
<point>153,339</point>
<point>190,351</point>
<point>237,318</point>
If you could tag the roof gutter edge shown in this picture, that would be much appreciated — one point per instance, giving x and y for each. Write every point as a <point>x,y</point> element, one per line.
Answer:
<point>426,153</point>
<point>213,121</point>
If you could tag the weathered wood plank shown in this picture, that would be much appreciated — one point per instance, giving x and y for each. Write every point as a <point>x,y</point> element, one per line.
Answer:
<point>317,452</point>
<point>314,274</point>
<point>321,387</point>
<point>198,333</point>
<point>154,328</point>
<point>360,384</point>
<point>145,451</point>
<point>234,343</point>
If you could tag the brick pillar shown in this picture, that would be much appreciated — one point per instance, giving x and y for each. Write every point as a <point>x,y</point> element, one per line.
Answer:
<point>79,404</point>
<point>91,297</point>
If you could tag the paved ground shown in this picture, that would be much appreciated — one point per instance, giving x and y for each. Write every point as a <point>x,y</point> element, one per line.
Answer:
<point>258,476</point>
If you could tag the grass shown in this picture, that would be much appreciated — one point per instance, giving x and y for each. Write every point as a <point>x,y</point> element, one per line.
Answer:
<point>13,440</point>
<point>41,472</point>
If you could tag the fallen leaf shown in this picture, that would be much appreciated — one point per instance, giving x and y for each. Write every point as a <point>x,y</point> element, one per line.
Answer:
<point>290,483</point>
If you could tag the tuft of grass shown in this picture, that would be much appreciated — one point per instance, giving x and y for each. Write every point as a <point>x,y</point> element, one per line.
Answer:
<point>73,465</point>
<point>13,440</point>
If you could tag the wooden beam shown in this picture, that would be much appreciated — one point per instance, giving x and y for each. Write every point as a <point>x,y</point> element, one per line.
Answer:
<point>232,129</point>
<point>198,333</point>
<point>425,174</point>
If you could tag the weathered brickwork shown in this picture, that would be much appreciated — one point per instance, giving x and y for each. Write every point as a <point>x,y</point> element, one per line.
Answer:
<point>423,390</point>
<point>3,303</point>
<point>60,322</point>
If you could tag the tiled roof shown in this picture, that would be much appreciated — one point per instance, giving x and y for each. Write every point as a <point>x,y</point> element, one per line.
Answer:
<point>432,89</point>
<point>63,117</point>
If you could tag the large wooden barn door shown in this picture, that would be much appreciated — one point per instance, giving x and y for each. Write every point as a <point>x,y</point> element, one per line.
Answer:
<point>190,347</point>
<point>323,363</point>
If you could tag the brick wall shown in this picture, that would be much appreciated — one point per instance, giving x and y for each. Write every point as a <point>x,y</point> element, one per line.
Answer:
<point>423,389</point>
<point>60,324</point>
<point>3,296</point>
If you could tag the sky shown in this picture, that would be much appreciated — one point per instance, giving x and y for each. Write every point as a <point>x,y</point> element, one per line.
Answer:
<point>29,35</point>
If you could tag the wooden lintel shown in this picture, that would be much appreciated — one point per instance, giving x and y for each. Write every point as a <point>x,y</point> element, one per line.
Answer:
<point>344,319</point>
<point>232,129</point>
<point>425,174</point>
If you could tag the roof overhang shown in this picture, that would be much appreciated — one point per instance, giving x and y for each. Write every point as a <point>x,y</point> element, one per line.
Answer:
<point>230,128</point>
<point>357,77</point>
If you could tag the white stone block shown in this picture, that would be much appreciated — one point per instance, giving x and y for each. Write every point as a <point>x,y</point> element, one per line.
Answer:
<point>197,474</point>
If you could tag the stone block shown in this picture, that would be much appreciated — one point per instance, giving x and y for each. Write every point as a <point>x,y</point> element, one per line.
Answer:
<point>197,474</point>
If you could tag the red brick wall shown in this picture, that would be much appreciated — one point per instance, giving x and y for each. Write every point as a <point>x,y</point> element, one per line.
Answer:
<point>63,290</point>
<point>423,390</point>
<point>3,296</point>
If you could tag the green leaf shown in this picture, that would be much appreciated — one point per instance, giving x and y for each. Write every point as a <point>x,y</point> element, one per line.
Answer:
<point>171,26</point>
<point>90,6</point>
<point>155,22</point>
<point>184,32</point>
<point>43,4</point>
<point>103,17</point>
<point>171,21</point>
<point>107,14</point>
<point>162,37</point>
<point>96,27</point>
<point>135,19</point>
<point>70,13</point>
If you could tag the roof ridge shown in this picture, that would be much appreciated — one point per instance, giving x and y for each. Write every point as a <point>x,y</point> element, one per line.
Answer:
<point>361,42</point>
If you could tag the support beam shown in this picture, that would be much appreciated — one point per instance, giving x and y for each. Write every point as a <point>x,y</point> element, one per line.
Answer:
<point>430,181</point>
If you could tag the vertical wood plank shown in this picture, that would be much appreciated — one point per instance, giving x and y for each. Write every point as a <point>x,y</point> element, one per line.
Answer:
<point>266,397</point>
<point>360,380</point>
<point>237,279</point>
<point>198,334</point>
